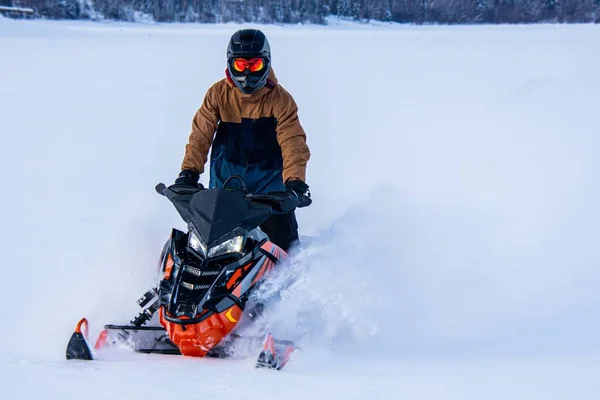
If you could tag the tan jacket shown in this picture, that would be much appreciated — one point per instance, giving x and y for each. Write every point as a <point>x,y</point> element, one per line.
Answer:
<point>225,103</point>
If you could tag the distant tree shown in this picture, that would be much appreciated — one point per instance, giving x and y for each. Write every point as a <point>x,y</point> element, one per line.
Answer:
<point>293,11</point>
<point>387,10</point>
<point>278,11</point>
<point>69,9</point>
<point>344,9</point>
<point>57,9</point>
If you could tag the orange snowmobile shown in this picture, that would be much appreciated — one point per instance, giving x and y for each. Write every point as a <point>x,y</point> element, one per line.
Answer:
<point>207,277</point>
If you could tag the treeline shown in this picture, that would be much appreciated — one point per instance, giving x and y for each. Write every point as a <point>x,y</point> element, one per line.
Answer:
<point>316,11</point>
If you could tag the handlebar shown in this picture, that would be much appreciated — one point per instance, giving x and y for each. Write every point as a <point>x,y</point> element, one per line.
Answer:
<point>160,188</point>
<point>281,202</point>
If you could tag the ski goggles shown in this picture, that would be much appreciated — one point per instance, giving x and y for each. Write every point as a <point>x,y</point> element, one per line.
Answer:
<point>253,64</point>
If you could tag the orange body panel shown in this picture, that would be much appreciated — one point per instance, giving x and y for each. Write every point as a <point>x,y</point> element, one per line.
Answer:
<point>234,278</point>
<point>169,266</point>
<point>269,265</point>
<point>197,339</point>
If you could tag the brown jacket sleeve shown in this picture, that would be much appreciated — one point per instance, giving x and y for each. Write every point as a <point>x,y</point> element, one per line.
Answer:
<point>291,138</point>
<point>204,126</point>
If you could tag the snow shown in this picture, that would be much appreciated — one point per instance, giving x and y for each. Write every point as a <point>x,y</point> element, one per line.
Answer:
<point>456,207</point>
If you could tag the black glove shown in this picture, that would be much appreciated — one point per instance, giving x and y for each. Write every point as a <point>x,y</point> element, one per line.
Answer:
<point>299,189</point>
<point>189,177</point>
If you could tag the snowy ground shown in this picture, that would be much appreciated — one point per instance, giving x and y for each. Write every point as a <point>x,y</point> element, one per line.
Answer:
<point>456,206</point>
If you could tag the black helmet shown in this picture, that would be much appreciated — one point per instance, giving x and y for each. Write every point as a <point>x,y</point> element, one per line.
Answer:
<point>248,44</point>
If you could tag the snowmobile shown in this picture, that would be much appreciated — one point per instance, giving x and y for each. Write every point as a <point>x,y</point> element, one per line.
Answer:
<point>207,277</point>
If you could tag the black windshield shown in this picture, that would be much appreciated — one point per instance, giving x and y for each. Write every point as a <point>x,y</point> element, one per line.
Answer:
<point>216,212</point>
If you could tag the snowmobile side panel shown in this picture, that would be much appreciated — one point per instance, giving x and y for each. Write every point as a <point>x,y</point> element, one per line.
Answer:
<point>141,339</point>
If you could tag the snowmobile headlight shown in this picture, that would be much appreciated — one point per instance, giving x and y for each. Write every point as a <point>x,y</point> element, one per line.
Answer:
<point>196,244</point>
<point>233,245</point>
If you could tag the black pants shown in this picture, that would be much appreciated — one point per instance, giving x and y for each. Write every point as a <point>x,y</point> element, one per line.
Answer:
<point>282,229</point>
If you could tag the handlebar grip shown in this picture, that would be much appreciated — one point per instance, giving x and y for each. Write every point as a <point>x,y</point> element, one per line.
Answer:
<point>304,201</point>
<point>160,188</point>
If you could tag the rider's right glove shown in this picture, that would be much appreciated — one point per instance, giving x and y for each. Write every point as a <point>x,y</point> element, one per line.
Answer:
<point>299,189</point>
<point>189,177</point>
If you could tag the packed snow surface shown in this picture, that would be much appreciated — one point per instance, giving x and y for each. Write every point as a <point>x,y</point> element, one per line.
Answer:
<point>455,223</point>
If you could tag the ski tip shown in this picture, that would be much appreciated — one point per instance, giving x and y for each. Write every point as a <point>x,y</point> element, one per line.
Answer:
<point>82,325</point>
<point>102,339</point>
<point>269,343</point>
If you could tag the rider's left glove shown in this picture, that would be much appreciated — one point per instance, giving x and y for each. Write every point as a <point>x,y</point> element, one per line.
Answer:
<point>299,189</point>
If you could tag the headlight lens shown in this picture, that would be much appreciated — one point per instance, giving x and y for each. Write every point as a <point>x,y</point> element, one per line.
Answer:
<point>197,244</point>
<point>233,245</point>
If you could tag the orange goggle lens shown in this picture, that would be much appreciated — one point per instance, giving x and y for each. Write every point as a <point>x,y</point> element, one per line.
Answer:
<point>253,64</point>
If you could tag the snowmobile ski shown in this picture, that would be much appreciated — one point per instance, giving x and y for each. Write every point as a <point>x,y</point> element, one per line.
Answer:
<point>78,348</point>
<point>275,353</point>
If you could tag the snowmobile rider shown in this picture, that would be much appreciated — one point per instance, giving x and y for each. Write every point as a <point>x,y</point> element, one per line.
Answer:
<point>252,124</point>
